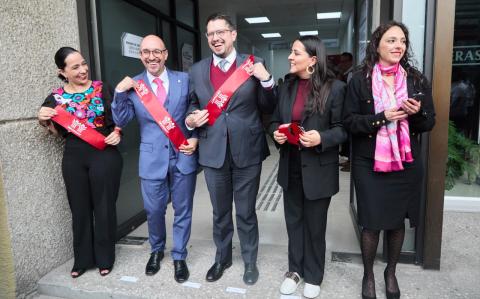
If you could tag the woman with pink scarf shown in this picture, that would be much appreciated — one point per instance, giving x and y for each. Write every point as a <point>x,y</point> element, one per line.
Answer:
<point>387,107</point>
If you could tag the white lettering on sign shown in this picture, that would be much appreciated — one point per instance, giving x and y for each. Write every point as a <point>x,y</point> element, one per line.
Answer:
<point>131,45</point>
<point>167,123</point>
<point>220,99</point>
<point>466,55</point>
<point>142,89</point>
<point>77,127</point>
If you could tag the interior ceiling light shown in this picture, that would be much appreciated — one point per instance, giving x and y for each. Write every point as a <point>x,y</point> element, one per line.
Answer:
<point>257,20</point>
<point>313,32</point>
<point>329,15</point>
<point>271,35</point>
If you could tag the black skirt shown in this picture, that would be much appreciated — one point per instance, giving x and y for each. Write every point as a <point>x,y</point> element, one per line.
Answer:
<point>386,199</point>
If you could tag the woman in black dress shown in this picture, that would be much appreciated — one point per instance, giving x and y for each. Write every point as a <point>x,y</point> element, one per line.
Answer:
<point>308,169</point>
<point>92,176</point>
<point>388,104</point>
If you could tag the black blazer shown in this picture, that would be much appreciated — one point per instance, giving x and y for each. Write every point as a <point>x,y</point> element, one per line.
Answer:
<point>240,121</point>
<point>360,120</point>
<point>320,163</point>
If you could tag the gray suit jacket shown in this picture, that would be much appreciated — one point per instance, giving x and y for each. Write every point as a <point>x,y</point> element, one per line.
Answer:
<point>240,124</point>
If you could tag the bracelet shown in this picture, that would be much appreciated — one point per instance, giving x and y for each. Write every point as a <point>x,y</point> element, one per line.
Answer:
<point>269,78</point>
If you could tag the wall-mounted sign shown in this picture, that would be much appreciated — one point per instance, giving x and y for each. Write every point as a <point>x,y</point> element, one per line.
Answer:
<point>131,45</point>
<point>187,57</point>
<point>466,55</point>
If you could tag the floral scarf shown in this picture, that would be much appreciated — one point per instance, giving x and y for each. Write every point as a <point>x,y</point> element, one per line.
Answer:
<point>393,139</point>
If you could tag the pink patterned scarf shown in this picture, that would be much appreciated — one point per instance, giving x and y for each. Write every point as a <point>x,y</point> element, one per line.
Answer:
<point>393,139</point>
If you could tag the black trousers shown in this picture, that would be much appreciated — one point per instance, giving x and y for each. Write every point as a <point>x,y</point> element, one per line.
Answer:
<point>92,179</point>
<point>306,225</point>
<point>225,185</point>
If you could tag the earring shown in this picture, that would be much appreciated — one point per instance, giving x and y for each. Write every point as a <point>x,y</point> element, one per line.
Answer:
<point>310,69</point>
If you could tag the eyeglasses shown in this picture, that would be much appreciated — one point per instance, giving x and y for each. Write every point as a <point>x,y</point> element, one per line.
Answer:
<point>156,52</point>
<point>219,33</point>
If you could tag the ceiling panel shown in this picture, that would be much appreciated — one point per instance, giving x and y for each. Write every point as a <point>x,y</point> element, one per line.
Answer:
<point>287,17</point>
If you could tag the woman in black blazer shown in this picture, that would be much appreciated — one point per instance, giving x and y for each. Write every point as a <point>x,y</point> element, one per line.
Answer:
<point>388,105</point>
<point>308,169</point>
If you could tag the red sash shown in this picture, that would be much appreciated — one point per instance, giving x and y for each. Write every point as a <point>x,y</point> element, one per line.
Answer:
<point>75,126</point>
<point>222,96</point>
<point>160,115</point>
<point>292,131</point>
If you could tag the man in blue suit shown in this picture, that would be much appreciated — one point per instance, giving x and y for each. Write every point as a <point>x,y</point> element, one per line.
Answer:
<point>164,171</point>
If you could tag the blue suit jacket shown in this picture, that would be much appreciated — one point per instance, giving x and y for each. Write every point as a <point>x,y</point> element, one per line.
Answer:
<point>155,146</point>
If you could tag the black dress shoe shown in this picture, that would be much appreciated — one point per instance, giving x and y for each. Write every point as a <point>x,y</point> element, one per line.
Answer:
<point>250,276</point>
<point>153,264</point>
<point>181,271</point>
<point>216,271</point>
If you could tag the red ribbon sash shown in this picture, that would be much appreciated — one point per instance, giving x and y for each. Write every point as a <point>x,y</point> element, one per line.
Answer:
<point>160,115</point>
<point>75,126</point>
<point>292,131</point>
<point>222,96</point>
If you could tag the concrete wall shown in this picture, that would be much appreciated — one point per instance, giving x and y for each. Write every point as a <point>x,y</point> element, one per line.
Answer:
<point>38,217</point>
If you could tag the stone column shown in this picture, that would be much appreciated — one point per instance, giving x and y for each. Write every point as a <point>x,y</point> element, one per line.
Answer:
<point>36,230</point>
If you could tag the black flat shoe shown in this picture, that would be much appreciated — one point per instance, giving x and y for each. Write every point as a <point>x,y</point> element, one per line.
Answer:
<point>181,271</point>
<point>105,271</point>
<point>250,276</point>
<point>216,271</point>
<point>390,295</point>
<point>153,264</point>
<point>79,272</point>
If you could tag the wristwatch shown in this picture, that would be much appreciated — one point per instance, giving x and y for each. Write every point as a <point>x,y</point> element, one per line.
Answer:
<point>269,78</point>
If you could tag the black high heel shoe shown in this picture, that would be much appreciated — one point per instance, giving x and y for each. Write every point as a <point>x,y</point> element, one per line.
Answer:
<point>390,295</point>
<point>364,286</point>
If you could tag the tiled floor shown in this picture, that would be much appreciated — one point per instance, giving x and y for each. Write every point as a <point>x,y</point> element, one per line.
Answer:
<point>340,231</point>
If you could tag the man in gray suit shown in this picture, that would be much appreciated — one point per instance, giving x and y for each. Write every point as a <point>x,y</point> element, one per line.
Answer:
<point>231,150</point>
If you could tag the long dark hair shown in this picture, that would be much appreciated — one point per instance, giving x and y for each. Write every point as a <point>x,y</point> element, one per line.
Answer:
<point>60,57</point>
<point>372,56</point>
<point>322,77</point>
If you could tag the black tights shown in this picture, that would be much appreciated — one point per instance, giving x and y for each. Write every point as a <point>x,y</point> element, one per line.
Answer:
<point>369,246</point>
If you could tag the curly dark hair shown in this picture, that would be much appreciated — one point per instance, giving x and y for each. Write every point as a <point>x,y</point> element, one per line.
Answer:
<point>322,78</point>
<point>372,56</point>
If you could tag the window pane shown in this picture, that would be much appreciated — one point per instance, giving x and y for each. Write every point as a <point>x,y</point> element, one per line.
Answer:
<point>161,5</point>
<point>167,39</point>
<point>186,49</point>
<point>186,12</point>
<point>463,175</point>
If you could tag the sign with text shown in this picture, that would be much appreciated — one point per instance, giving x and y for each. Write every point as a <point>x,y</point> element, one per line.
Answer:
<point>131,45</point>
<point>466,55</point>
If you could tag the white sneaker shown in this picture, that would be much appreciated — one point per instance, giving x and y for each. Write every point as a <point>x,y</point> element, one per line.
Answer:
<point>311,290</point>
<point>290,283</point>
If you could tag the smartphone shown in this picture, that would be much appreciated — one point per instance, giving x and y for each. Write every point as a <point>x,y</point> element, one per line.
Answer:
<point>419,96</point>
